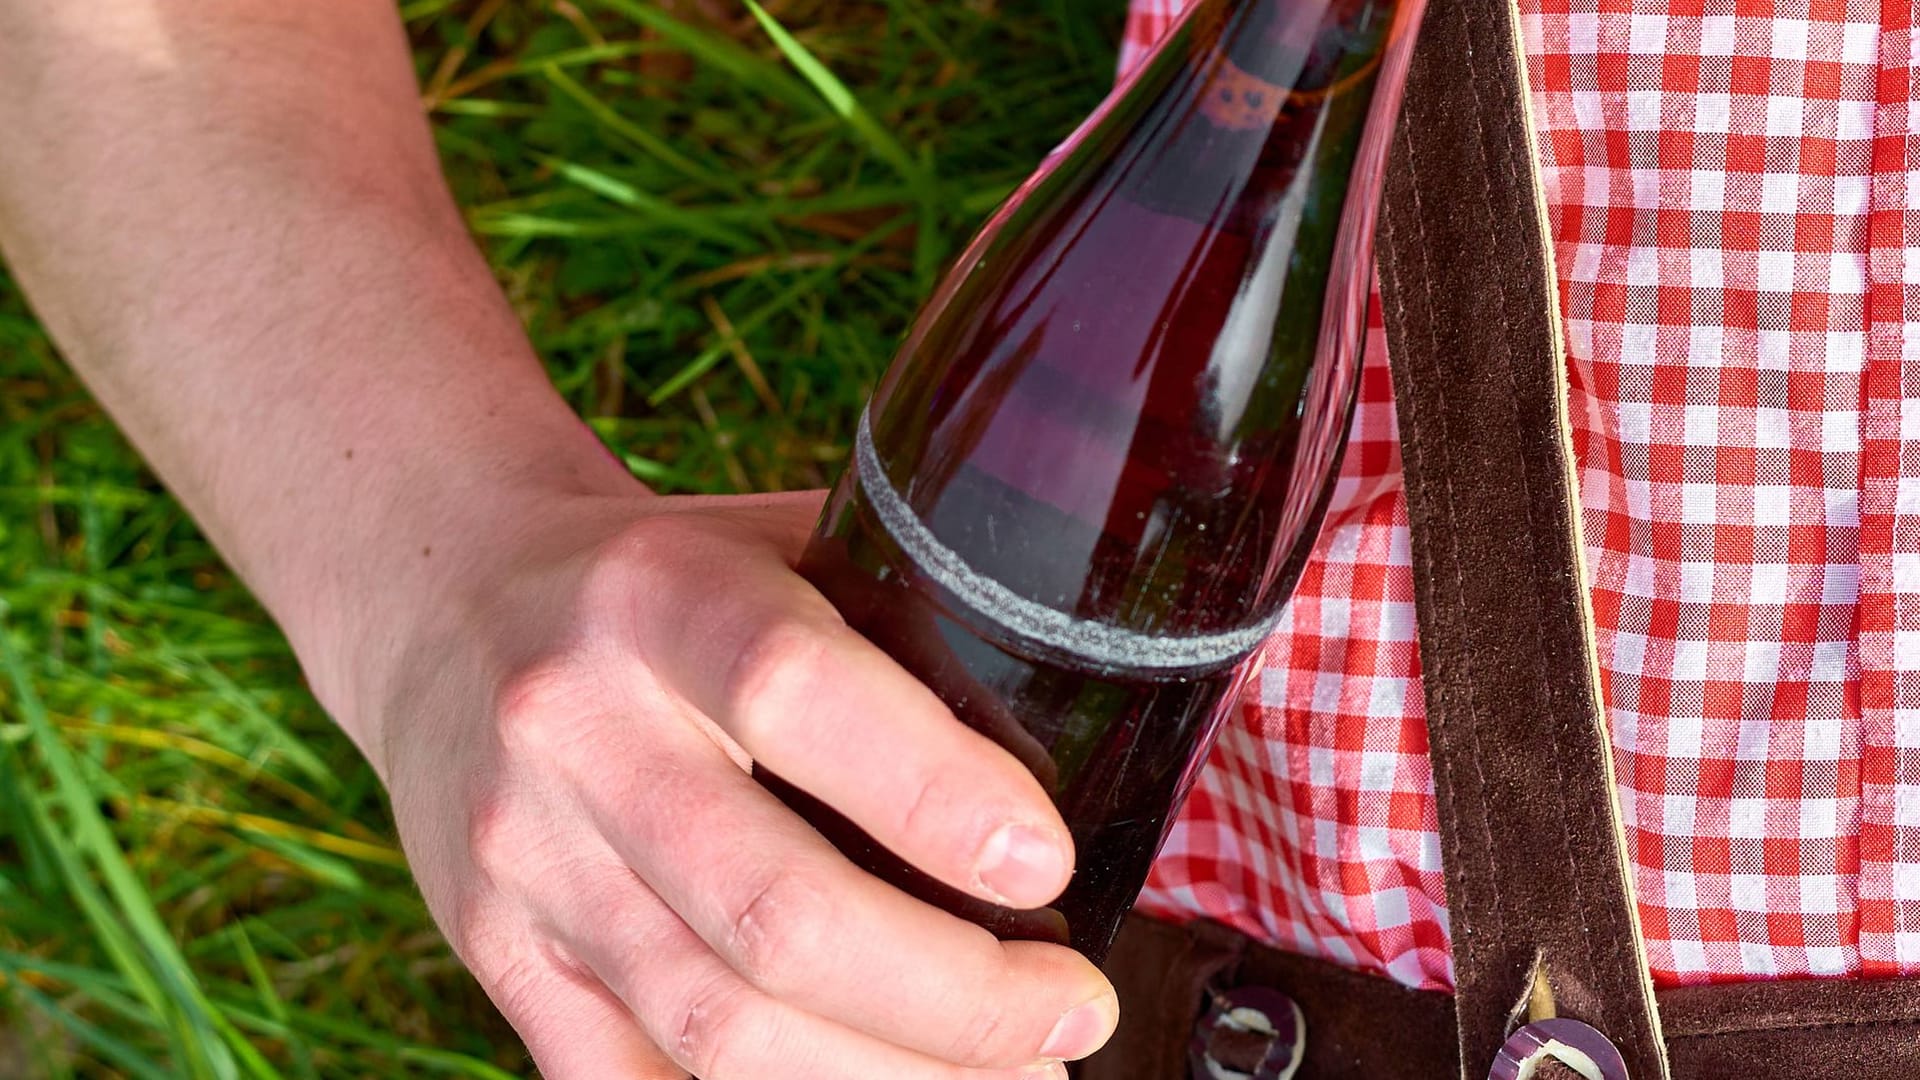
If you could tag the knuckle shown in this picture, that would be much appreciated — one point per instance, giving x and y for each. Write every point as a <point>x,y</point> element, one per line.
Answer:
<point>499,837</point>
<point>527,696</point>
<point>774,676</point>
<point>708,1029</point>
<point>665,535</point>
<point>471,927</point>
<point>772,934</point>
<point>662,548</point>
<point>492,830</point>
<point>538,708</point>
<point>633,559</point>
<point>520,989</point>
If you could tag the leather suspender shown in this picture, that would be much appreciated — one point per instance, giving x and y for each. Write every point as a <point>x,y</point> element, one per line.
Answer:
<point>1537,882</point>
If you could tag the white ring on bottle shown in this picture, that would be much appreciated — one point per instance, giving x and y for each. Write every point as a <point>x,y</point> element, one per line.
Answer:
<point>1102,645</point>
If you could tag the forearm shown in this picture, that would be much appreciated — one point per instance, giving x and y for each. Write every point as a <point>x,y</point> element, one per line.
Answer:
<point>231,217</point>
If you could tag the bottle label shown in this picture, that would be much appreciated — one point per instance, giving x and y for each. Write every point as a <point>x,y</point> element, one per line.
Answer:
<point>1238,100</point>
<point>1100,645</point>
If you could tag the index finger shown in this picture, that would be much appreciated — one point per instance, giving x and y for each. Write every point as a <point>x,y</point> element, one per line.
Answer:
<point>762,653</point>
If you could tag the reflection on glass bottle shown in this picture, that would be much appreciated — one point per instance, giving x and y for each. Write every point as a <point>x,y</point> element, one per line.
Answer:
<point>1090,478</point>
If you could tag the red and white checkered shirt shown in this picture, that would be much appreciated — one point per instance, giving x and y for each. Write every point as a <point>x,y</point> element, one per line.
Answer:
<point>1735,199</point>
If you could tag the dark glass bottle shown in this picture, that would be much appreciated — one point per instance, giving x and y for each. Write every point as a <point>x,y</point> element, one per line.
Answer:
<point>1088,482</point>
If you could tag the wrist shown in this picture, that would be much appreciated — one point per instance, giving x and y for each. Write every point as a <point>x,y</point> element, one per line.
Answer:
<point>429,549</point>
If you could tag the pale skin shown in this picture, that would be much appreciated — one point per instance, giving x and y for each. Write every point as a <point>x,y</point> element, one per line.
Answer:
<point>230,216</point>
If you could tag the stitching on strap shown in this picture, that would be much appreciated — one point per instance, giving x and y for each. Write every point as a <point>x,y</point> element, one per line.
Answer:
<point>1504,357</point>
<point>1476,860</point>
<point>1498,396</point>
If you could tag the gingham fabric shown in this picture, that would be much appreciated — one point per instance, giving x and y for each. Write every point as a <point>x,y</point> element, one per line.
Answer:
<point>1735,198</point>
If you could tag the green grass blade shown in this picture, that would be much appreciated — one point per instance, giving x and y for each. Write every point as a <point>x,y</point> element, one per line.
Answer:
<point>656,210</point>
<point>841,100</point>
<point>216,1057</point>
<point>712,354</point>
<point>640,137</point>
<point>270,1000</point>
<point>717,52</point>
<point>94,1038</point>
<point>112,934</point>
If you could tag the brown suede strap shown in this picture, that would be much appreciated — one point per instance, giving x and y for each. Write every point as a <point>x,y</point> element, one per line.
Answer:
<point>1361,1027</point>
<point>1531,842</point>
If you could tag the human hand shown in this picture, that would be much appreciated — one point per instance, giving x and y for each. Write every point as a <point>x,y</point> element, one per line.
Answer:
<point>560,691</point>
<point>568,751</point>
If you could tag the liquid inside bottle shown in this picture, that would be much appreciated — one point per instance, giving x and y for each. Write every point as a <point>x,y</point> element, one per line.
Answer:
<point>1089,480</point>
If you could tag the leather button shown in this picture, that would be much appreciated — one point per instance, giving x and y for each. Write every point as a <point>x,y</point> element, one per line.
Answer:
<point>1534,1049</point>
<point>1251,1033</point>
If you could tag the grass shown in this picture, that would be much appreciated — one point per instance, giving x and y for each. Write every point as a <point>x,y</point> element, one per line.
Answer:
<point>715,220</point>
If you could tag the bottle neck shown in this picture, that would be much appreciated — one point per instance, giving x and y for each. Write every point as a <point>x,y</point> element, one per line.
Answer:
<point>1232,127</point>
<point>1273,48</point>
<point>1263,38</point>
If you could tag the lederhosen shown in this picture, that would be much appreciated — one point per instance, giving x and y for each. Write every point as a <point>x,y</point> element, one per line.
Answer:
<point>1539,897</point>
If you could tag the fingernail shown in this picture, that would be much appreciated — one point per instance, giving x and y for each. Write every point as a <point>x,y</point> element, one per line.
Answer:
<point>1022,865</point>
<point>1081,1031</point>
